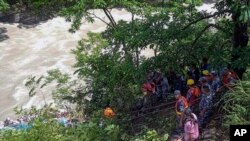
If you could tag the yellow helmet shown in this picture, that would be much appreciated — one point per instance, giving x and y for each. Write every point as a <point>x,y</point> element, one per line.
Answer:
<point>205,72</point>
<point>190,82</point>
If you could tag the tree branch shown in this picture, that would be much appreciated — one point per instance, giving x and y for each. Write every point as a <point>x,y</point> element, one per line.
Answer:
<point>110,17</point>
<point>94,15</point>
<point>109,12</point>
<point>219,28</point>
<point>206,28</point>
<point>206,17</point>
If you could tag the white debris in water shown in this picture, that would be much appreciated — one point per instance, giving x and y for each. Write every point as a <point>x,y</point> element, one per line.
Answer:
<point>1,125</point>
<point>43,43</point>
<point>37,101</point>
<point>61,66</point>
<point>20,92</point>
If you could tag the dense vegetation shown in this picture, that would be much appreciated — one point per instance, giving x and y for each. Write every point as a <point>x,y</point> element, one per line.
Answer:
<point>110,67</point>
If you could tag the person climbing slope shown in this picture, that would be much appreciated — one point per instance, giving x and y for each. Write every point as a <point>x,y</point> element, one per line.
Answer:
<point>192,94</point>
<point>205,106</point>
<point>162,86</point>
<point>180,106</point>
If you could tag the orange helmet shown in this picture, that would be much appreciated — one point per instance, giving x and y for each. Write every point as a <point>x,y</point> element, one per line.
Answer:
<point>108,112</point>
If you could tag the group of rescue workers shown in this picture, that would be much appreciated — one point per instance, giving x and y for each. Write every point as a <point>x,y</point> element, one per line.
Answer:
<point>200,99</point>
<point>194,97</point>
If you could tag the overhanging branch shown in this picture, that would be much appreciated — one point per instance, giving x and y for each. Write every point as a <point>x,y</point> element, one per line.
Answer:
<point>219,28</point>
<point>206,17</point>
<point>95,16</point>
<point>206,28</point>
<point>110,17</point>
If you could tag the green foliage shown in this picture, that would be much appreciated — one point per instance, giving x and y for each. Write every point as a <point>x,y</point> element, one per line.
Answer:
<point>151,135</point>
<point>58,76</point>
<point>3,5</point>
<point>109,76</point>
<point>50,130</point>
<point>240,7</point>
<point>80,9</point>
<point>66,91</point>
<point>46,112</point>
<point>236,104</point>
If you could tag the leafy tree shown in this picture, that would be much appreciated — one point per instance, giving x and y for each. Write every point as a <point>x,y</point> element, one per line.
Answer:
<point>3,5</point>
<point>240,14</point>
<point>109,76</point>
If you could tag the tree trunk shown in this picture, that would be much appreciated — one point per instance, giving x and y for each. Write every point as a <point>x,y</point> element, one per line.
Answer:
<point>137,57</point>
<point>240,40</point>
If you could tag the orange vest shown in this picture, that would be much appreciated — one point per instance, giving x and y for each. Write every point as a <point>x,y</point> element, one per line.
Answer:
<point>108,112</point>
<point>195,91</point>
<point>182,99</point>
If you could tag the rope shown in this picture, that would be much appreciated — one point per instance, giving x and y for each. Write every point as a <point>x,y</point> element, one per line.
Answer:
<point>144,115</point>
<point>143,110</point>
<point>154,107</point>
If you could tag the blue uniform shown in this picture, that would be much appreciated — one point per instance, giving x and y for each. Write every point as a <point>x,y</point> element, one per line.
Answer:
<point>162,88</point>
<point>205,103</point>
<point>216,83</point>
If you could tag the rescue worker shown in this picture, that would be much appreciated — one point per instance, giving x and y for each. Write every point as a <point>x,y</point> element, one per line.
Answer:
<point>148,88</point>
<point>192,94</point>
<point>207,76</point>
<point>203,81</point>
<point>205,65</point>
<point>149,93</point>
<point>108,111</point>
<point>180,83</point>
<point>229,78</point>
<point>172,78</point>
<point>216,83</point>
<point>205,106</point>
<point>162,86</point>
<point>180,106</point>
<point>194,73</point>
